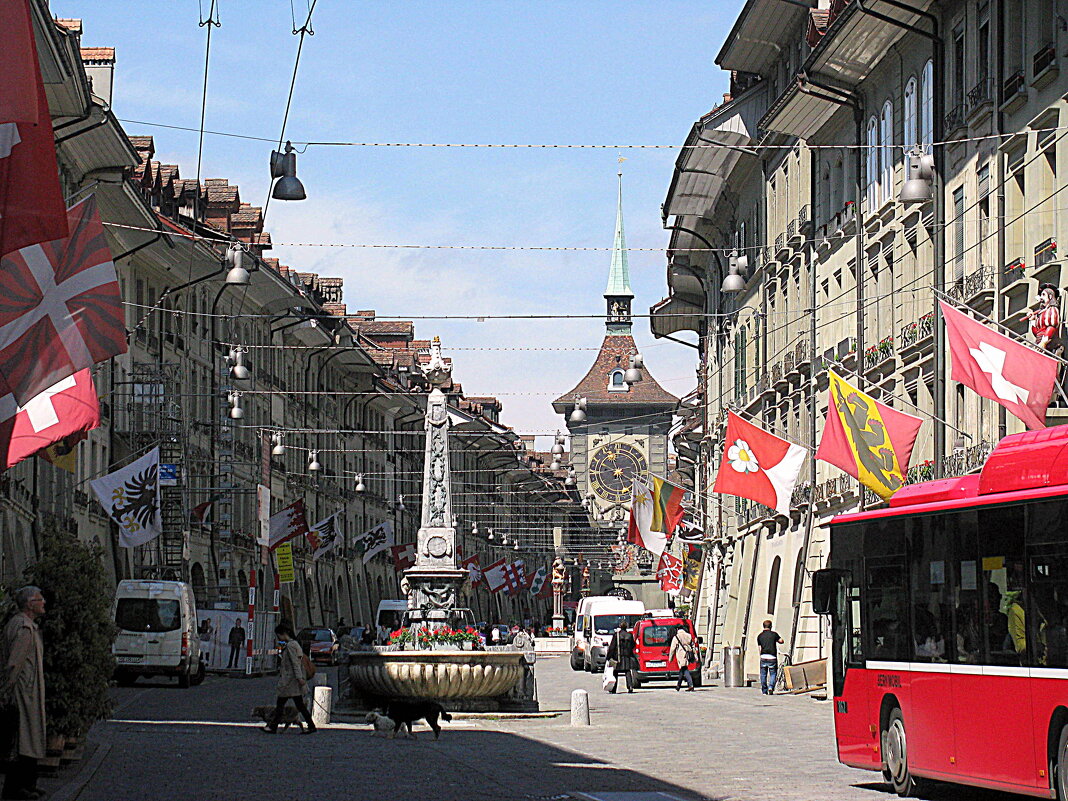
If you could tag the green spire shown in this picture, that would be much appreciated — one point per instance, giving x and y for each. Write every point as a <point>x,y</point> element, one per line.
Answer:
<point>619,275</point>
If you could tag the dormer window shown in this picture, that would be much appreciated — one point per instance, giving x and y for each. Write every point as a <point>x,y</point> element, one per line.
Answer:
<point>616,382</point>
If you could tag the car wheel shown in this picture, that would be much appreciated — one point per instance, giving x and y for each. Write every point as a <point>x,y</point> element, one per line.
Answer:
<point>1060,766</point>
<point>125,679</point>
<point>576,664</point>
<point>896,755</point>
<point>184,681</point>
<point>198,677</point>
<point>635,680</point>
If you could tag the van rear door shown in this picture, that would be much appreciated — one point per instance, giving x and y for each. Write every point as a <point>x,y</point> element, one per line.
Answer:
<point>150,629</point>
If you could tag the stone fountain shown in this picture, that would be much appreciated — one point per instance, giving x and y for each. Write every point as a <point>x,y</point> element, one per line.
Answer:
<point>474,680</point>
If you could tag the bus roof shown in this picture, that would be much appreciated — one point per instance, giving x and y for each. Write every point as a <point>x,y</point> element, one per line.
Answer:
<point>1022,467</point>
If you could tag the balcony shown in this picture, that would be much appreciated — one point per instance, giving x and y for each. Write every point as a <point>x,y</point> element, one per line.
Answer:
<point>1014,271</point>
<point>956,119</point>
<point>914,333</point>
<point>780,247</point>
<point>924,471</point>
<point>792,233</point>
<point>1015,90</point>
<point>879,353</point>
<point>974,286</point>
<point>981,98</point>
<point>967,460</point>
<point>1045,253</point>
<point>1044,66</point>
<point>804,218</point>
<point>802,494</point>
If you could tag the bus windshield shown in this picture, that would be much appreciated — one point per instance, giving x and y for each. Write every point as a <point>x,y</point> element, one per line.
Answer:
<point>607,624</point>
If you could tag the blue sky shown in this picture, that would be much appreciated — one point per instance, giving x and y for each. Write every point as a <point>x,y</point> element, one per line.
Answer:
<point>544,72</point>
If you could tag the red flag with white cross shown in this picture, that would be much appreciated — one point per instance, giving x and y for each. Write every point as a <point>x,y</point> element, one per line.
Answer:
<point>403,556</point>
<point>31,201</point>
<point>62,411</point>
<point>1018,377</point>
<point>669,571</point>
<point>60,307</point>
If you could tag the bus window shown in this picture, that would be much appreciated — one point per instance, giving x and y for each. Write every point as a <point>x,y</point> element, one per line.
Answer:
<point>885,599</point>
<point>930,594</point>
<point>1002,583</point>
<point>960,534</point>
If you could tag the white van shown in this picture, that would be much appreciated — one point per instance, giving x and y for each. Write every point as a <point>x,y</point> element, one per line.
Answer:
<point>157,632</point>
<point>599,621</point>
<point>391,614</point>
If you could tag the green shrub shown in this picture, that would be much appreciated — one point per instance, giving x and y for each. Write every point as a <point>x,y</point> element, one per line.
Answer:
<point>77,630</point>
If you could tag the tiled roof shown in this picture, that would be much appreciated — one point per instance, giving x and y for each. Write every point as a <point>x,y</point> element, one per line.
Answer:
<point>373,327</point>
<point>98,54</point>
<point>247,214</point>
<point>70,25</point>
<point>168,172</point>
<point>336,309</point>
<point>142,142</point>
<point>615,354</point>
<point>219,191</point>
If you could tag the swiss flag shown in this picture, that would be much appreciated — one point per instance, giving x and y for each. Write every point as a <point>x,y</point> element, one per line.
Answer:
<point>68,409</point>
<point>61,310</point>
<point>495,575</point>
<point>1018,377</point>
<point>403,556</point>
<point>669,571</point>
<point>474,572</point>
<point>31,202</point>
<point>758,465</point>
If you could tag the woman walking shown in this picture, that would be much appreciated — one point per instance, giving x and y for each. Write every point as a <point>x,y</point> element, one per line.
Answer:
<point>291,679</point>
<point>683,654</point>
<point>621,649</point>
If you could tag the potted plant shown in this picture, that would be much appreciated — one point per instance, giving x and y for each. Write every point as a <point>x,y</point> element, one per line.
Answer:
<point>77,631</point>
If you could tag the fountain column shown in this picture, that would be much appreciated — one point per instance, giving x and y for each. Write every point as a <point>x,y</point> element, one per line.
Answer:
<point>434,581</point>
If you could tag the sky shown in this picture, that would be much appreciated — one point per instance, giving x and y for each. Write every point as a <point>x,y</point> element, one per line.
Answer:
<point>444,72</point>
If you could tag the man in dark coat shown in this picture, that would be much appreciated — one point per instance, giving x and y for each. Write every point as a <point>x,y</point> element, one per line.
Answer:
<point>237,643</point>
<point>621,649</point>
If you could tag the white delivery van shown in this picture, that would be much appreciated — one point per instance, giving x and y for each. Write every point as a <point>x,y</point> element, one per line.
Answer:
<point>599,622</point>
<point>157,632</point>
<point>391,615</point>
<point>579,643</point>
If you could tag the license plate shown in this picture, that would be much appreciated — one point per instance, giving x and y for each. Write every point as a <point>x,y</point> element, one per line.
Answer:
<point>656,664</point>
<point>127,660</point>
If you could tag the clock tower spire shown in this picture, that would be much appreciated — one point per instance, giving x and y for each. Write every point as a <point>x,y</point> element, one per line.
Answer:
<point>618,294</point>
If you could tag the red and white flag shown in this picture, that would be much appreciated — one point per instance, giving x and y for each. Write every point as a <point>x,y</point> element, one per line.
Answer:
<point>67,409</point>
<point>515,577</point>
<point>61,309</point>
<point>496,575</point>
<point>287,524</point>
<point>758,465</point>
<point>669,571</point>
<point>31,201</point>
<point>474,572</point>
<point>403,556</point>
<point>997,367</point>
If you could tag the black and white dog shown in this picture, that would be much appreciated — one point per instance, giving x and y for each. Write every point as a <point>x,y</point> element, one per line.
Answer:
<point>405,713</point>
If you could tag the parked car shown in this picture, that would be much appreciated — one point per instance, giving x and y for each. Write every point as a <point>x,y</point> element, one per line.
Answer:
<point>652,641</point>
<point>321,645</point>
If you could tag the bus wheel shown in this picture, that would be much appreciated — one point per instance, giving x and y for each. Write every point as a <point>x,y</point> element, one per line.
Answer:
<point>896,756</point>
<point>1060,765</point>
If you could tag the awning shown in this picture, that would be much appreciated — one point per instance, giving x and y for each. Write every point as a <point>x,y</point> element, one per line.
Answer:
<point>672,315</point>
<point>802,110</point>
<point>761,32</point>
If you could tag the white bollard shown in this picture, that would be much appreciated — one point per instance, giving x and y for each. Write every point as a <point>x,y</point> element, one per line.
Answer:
<point>580,708</point>
<point>322,700</point>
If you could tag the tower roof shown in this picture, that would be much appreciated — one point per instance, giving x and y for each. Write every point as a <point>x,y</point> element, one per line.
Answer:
<point>615,353</point>
<point>619,274</point>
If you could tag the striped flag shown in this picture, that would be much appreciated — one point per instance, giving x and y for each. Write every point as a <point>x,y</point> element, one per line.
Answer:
<point>655,512</point>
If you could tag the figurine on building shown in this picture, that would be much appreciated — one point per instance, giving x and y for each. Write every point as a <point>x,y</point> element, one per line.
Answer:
<point>1046,319</point>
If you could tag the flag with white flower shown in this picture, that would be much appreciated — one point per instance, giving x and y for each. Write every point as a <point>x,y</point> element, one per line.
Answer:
<point>758,465</point>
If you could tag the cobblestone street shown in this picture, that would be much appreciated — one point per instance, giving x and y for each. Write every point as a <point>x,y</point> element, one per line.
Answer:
<point>715,743</point>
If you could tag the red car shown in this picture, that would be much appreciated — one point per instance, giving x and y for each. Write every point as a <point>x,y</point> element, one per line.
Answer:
<point>321,645</point>
<point>652,642</point>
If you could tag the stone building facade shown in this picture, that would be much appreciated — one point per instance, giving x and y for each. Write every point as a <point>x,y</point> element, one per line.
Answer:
<point>827,108</point>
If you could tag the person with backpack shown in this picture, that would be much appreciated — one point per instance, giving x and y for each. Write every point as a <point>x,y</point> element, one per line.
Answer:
<point>684,652</point>
<point>621,650</point>
<point>294,671</point>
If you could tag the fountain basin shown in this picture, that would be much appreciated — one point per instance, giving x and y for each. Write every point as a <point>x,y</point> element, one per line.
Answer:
<point>441,675</point>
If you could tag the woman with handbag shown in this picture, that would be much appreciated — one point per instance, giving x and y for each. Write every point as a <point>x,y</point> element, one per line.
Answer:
<point>684,654</point>
<point>621,649</point>
<point>294,671</point>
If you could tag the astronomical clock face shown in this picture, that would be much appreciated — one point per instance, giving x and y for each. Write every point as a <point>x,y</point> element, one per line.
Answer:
<point>613,469</point>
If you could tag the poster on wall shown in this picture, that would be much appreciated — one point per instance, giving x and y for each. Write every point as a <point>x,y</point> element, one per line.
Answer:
<point>222,636</point>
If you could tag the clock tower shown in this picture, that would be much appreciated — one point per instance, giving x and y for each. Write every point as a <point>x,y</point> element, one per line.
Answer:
<point>625,433</point>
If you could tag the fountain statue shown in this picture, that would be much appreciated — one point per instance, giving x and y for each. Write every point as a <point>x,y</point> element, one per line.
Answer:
<point>495,679</point>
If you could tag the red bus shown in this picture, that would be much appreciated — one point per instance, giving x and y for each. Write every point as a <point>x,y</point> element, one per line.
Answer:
<point>949,610</point>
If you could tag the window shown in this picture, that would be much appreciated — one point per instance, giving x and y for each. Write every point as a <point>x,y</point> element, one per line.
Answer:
<point>930,592</point>
<point>773,585</point>
<point>616,382</point>
<point>959,62</point>
<point>982,56</point>
<point>958,233</point>
<point>886,151</point>
<point>148,614</point>
<point>910,121</point>
<point>927,105</point>
<point>1001,584</point>
<point>872,151</point>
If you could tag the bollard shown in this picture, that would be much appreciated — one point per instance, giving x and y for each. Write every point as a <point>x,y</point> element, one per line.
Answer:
<point>580,708</point>
<point>322,699</point>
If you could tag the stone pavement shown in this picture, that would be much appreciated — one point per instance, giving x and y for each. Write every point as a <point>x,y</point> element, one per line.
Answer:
<point>716,743</point>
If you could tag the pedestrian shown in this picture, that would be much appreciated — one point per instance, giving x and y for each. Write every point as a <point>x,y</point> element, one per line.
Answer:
<point>683,652</point>
<point>495,635</point>
<point>357,631</point>
<point>22,693</point>
<point>292,679</point>
<point>621,649</point>
<point>237,642</point>
<point>768,641</point>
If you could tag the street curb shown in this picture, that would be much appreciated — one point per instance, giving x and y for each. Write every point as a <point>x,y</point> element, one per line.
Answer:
<point>72,789</point>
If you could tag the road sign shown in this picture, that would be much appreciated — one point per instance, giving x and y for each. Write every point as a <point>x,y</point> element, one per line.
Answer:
<point>168,475</point>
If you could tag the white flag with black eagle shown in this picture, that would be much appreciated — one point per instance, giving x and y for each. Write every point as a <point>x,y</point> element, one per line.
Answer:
<point>374,541</point>
<point>327,536</point>
<point>130,496</point>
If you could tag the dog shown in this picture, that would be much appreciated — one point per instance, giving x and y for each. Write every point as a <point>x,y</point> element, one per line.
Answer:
<point>289,716</point>
<point>405,713</point>
<point>381,723</point>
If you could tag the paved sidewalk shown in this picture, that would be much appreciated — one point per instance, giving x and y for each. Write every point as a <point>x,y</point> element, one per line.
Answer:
<point>715,743</point>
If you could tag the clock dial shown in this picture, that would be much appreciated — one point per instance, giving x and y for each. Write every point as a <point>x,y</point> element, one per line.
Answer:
<point>613,469</point>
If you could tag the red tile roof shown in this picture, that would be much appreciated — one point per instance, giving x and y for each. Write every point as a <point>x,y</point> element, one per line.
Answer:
<point>70,25</point>
<point>98,54</point>
<point>615,354</point>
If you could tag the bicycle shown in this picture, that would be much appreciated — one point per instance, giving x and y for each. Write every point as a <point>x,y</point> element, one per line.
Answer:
<point>780,677</point>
